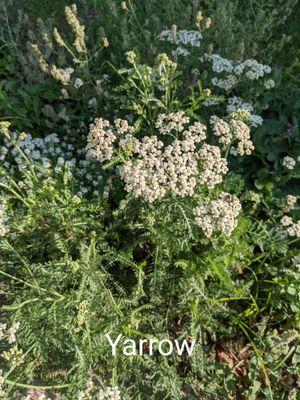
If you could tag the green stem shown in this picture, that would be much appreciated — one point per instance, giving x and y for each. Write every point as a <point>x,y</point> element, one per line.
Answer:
<point>23,385</point>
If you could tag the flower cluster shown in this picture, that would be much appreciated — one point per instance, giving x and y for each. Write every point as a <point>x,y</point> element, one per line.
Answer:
<point>234,130</point>
<point>3,228</point>
<point>62,75</point>
<point>109,393</point>
<point>37,394</point>
<point>171,122</point>
<point>236,103</point>
<point>100,140</point>
<point>181,37</point>
<point>292,228</point>
<point>218,215</point>
<point>213,166</point>
<point>14,356</point>
<point>221,129</point>
<point>288,162</point>
<point>156,169</point>
<point>77,28</point>
<point>249,68</point>
<point>290,202</point>
<point>241,132</point>
<point>50,155</point>
<point>9,333</point>
<point>225,83</point>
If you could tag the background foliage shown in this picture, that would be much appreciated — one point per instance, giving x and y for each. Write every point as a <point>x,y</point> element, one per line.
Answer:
<point>76,264</point>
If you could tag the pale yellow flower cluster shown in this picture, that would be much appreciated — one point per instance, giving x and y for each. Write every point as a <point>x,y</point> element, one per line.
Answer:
<point>77,28</point>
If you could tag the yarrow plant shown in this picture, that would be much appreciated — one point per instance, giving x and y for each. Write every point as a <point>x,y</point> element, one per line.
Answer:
<point>176,161</point>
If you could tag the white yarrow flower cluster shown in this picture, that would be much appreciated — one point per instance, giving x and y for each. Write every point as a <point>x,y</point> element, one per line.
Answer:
<point>288,162</point>
<point>3,218</point>
<point>78,83</point>
<point>62,75</point>
<point>109,393</point>
<point>171,122</point>
<point>100,140</point>
<point>269,84</point>
<point>227,83</point>
<point>290,201</point>
<point>249,68</point>
<point>180,51</point>
<point>221,129</point>
<point>154,169</point>
<point>213,168</point>
<point>292,228</point>
<point>236,103</point>
<point>241,132</point>
<point>11,333</point>
<point>182,37</point>
<point>219,215</point>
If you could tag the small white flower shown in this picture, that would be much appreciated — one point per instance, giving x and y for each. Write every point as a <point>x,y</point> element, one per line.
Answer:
<point>288,162</point>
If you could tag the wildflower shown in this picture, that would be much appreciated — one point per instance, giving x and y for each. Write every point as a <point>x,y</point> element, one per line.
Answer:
<point>213,166</point>
<point>218,215</point>
<point>3,218</point>
<point>4,128</point>
<point>2,329</point>
<point>122,126</point>
<point>11,338</point>
<point>241,132</point>
<point>182,37</point>
<point>36,394</point>
<point>221,129</point>
<point>171,122</point>
<point>286,221</point>
<point>199,16</point>
<point>110,393</point>
<point>174,30</point>
<point>124,5</point>
<point>290,201</point>
<point>294,230</point>
<point>240,114</point>
<point>14,356</point>
<point>39,57</point>
<point>62,75</point>
<point>78,30</point>
<point>78,83</point>
<point>226,83</point>
<point>100,140</point>
<point>207,23</point>
<point>288,162</point>
<point>105,42</point>
<point>57,36</point>
<point>220,64</point>
<point>269,84</point>
<point>131,57</point>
